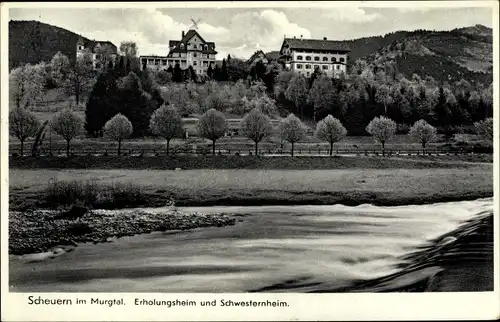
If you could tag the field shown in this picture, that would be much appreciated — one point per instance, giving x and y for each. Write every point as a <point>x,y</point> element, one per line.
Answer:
<point>404,184</point>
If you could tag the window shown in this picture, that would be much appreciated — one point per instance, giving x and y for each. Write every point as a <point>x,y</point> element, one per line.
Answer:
<point>325,58</point>
<point>157,62</point>
<point>208,56</point>
<point>316,58</point>
<point>195,46</point>
<point>299,66</point>
<point>164,62</point>
<point>195,63</point>
<point>308,66</point>
<point>80,47</point>
<point>338,66</point>
<point>182,46</point>
<point>342,59</point>
<point>308,57</point>
<point>299,58</point>
<point>325,67</point>
<point>316,66</point>
<point>308,74</point>
<point>194,55</point>
<point>334,59</point>
<point>206,48</point>
<point>205,64</point>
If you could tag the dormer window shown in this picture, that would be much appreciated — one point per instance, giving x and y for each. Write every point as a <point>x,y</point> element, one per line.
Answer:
<point>182,46</point>
<point>80,47</point>
<point>206,47</point>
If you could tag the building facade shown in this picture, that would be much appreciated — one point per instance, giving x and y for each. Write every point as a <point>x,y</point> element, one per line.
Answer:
<point>100,52</point>
<point>191,50</point>
<point>305,55</point>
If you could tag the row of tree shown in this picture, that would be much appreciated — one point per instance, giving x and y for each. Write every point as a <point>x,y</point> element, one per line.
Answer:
<point>167,123</point>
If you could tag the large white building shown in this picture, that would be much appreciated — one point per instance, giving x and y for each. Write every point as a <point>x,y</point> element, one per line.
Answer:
<point>191,50</point>
<point>305,55</point>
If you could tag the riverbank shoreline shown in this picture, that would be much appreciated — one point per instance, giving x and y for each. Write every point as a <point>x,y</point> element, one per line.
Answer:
<point>51,232</point>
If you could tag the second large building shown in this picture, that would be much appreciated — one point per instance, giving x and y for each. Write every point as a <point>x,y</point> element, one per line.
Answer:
<point>305,55</point>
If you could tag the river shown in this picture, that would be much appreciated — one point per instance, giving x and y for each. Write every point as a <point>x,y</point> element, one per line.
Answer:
<point>303,248</point>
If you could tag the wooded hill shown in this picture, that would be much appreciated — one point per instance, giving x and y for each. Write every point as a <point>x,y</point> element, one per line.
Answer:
<point>33,42</point>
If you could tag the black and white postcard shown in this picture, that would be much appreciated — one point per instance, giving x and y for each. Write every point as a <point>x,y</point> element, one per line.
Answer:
<point>249,161</point>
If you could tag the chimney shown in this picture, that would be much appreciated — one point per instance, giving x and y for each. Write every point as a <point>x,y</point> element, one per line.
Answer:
<point>293,37</point>
<point>324,38</point>
<point>182,34</point>
<point>300,37</point>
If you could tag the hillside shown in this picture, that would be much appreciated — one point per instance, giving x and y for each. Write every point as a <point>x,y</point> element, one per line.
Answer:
<point>445,55</point>
<point>33,41</point>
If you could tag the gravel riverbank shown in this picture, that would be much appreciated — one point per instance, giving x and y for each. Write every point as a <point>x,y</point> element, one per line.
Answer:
<point>45,230</point>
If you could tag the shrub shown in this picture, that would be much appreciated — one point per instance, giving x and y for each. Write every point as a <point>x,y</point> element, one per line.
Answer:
<point>90,194</point>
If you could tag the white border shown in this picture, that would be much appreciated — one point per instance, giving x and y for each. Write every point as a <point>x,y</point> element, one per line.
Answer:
<point>429,306</point>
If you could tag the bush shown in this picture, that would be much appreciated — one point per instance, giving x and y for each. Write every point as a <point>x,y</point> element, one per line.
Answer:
<point>90,194</point>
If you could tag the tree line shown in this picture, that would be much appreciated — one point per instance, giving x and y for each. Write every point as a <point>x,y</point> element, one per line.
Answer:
<point>166,122</point>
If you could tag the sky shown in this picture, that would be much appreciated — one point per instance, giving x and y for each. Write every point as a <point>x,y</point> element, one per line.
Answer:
<point>242,31</point>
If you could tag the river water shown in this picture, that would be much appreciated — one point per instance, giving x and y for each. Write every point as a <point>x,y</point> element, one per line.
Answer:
<point>303,248</point>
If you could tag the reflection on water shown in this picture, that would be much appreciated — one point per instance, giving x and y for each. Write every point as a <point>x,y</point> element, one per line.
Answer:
<point>315,247</point>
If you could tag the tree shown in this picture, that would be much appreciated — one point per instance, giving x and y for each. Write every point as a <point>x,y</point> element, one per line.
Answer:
<point>128,49</point>
<point>210,71</point>
<point>382,129</point>
<point>118,128</point>
<point>331,130</point>
<point>26,84</point>
<point>383,96</point>
<point>75,77</point>
<point>167,123</point>
<point>60,68</point>
<point>236,69</point>
<point>256,126</point>
<point>22,124</point>
<point>177,76</point>
<point>68,125</point>
<point>423,132</point>
<point>322,95</point>
<point>136,104</point>
<point>223,71</point>
<point>292,130</point>
<point>296,92</point>
<point>212,126</point>
<point>101,104</point>
<point>104,56</point>
<point>485,128</point>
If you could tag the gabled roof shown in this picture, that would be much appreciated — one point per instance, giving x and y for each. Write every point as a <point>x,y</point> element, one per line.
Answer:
<point>273,55</point>
<point>250,60</point>
<point>176,44</point>
<point>91,44</point>
<point>316,44</point>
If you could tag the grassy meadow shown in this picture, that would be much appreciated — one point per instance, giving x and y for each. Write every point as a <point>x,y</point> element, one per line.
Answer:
<point>404,184</point>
